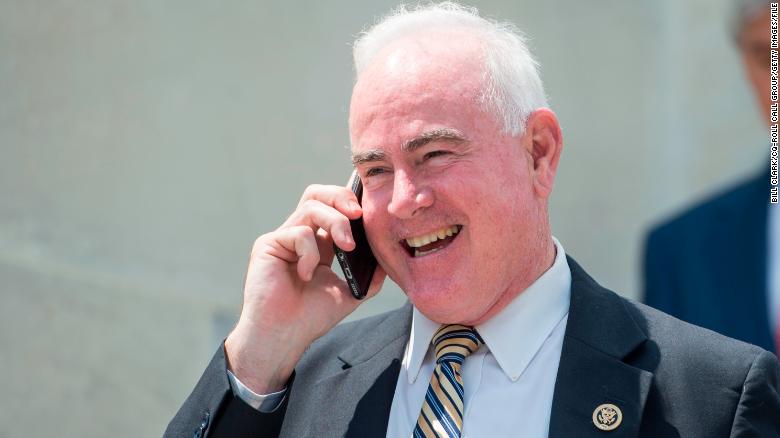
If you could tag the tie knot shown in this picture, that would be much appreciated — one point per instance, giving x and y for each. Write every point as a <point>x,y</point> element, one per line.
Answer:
<point>454,342</point>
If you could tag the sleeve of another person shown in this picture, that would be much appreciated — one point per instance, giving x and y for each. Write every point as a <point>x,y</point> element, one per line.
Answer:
<point>659,288</point>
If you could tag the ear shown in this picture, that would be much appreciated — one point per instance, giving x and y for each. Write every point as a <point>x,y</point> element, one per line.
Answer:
<point>544,143</point>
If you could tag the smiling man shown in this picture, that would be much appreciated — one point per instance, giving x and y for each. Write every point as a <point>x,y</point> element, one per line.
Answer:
<point>434,157</point>
<point>503,334</point>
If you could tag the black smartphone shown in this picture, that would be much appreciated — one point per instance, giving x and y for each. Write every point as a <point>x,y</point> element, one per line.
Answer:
<point>359,264</point>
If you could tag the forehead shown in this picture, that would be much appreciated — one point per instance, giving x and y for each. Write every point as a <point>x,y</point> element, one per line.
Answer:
<point>421,82</point>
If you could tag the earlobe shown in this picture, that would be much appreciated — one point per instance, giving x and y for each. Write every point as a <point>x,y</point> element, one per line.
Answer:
<point>546,145</point>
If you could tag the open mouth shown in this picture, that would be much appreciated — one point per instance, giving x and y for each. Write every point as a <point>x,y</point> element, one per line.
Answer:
<point>425,244</point>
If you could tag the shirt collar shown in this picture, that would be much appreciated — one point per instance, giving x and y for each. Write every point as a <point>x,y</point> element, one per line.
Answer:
<point>515,334</point>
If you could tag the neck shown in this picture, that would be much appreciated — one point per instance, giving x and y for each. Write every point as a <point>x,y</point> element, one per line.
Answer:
<point>541,265</point>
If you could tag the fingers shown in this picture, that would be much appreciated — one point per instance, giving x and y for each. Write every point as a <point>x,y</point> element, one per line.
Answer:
<point>325,245</point>
<point>297,243</point>
<point>321,218</point>
<point>340,198</point>
<point>329,208</point>
<point>316,215</point>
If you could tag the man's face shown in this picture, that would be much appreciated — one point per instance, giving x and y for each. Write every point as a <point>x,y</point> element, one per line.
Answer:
<point>754,45</point>
<point>434,163</point>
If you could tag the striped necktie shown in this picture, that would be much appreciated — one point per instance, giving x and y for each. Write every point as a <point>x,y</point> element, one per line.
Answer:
<point>442,410</point>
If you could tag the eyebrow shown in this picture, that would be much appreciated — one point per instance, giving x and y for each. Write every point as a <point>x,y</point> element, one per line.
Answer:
<point>443,134</point>
<point>368,156</point>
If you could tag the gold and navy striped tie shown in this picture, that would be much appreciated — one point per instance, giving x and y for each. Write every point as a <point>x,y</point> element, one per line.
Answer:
<point>442,410</point>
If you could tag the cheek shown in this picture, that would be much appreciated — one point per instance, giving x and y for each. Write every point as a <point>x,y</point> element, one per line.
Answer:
<point>509,191</point>
<point>375,223</point>
<point>507,212</point>
<point>371,221</point>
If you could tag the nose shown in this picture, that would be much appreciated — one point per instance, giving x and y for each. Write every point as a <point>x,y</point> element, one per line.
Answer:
<point>409,197</point>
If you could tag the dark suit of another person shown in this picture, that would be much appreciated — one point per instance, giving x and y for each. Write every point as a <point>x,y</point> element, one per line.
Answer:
<point>708,266</point>
<point>669,378</point>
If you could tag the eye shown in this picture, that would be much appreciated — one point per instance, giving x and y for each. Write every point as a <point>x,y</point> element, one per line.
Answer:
<point>434,154</point>
<point>375,171</point>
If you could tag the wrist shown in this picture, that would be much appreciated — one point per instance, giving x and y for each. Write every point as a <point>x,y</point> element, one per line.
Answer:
<point>263,363</point>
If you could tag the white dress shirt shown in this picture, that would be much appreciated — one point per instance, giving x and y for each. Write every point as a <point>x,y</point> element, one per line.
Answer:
<point>508,383</point>
<point>773,258</point>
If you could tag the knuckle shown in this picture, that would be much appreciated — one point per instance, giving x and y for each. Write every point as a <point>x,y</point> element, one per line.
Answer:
<point>343,193</point>
<point>303,232</point>
<point>307,232</point>
<point>306,245</point>
<point>259,244</point>
<point>311,190</point>
<point>310,205</point>
<point>260,241</point>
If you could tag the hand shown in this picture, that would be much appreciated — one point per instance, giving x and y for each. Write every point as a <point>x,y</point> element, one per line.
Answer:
<point>291,294</point>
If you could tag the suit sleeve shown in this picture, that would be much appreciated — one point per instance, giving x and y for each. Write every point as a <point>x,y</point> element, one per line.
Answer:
<point>758,411</point>
<point>213,411</point>
<point>658,272</point>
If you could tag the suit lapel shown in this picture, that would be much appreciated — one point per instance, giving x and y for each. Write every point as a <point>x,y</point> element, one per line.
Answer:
<point>600,333</point>
<point>369,368</point>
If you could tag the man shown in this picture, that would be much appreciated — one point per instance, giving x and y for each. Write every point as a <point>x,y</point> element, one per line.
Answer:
<point>503,335</point>
<point>717,265</point>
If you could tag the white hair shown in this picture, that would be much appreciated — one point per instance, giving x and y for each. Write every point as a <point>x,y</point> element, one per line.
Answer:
<point>742,11</point>
<point>512,89</point>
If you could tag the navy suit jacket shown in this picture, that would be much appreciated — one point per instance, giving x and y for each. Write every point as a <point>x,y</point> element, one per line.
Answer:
<point>670,379</point>
<point>708,266</point>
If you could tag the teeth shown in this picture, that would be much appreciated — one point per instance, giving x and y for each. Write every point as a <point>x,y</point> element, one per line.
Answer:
<point>418,241</point>
<point>418,253</point>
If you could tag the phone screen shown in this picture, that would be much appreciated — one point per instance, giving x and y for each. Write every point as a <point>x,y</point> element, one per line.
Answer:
<point>359,264</point>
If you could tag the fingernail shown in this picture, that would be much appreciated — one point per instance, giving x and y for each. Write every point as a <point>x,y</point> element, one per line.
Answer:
<point>354,206</point>
<point>348,237</point>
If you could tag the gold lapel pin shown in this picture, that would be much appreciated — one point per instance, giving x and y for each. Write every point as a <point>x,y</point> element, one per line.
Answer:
<point>607,417</point>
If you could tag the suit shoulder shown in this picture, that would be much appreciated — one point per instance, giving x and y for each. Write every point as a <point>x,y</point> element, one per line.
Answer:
<point>682,345</point>
<point>667,342</point>
<point>728,383</point>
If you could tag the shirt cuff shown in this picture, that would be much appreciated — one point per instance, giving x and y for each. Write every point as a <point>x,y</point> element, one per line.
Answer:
<point>264,403</point>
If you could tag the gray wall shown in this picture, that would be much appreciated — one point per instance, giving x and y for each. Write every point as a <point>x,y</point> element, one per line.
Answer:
<point>144,145</point>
